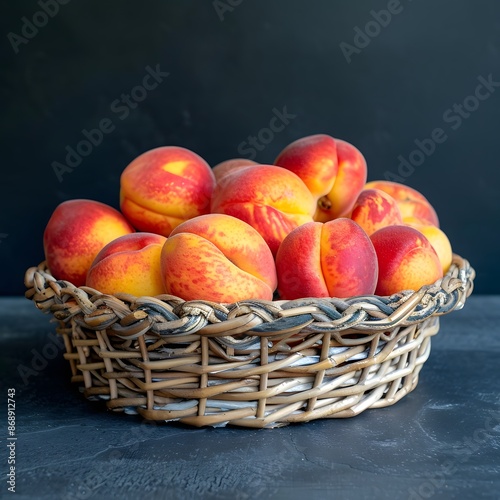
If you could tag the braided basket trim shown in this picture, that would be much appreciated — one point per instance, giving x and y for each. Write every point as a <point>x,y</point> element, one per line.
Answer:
<point>241,323</point>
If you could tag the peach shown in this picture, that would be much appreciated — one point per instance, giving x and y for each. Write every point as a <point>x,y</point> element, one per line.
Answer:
<point>219,258</point>
<point>129,264</point>
<point>227,166</point>
<point>273,200</point>
<point>314,160</point>
<point>406,260</point>
<point>437,238</point>
<point>375,209</point>
<point>351,177</point>
<point>411,202</point>
<point>165,186</point>
<point>76,231</point>
<point>332,259</point>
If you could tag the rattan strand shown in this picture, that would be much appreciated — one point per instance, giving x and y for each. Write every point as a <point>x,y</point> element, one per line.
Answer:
<point>252,363</point>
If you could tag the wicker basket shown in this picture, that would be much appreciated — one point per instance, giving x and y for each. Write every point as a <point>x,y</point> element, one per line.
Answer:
<point>253,363</point>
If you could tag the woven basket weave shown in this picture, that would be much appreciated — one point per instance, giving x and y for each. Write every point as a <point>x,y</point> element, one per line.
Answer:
<point>253,363</point>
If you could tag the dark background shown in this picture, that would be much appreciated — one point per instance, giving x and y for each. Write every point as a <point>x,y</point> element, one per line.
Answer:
<point>228,70</point>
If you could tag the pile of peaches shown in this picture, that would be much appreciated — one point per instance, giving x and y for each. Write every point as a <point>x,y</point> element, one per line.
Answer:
<point>308,226</point>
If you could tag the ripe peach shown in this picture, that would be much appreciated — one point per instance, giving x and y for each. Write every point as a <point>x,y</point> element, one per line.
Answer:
<point>406,260</point>
<point>351,177</point>
<point>437,238</point>
<point>411,202</point>
<point>375,209</point>
<point>165,186</point>
<point>219,258</point>
<point>271,199</point>
<point>334,259</point>
<point>314,160</point>
<point>129,264</point>
<point>227,166</point>
<point>77,230</point>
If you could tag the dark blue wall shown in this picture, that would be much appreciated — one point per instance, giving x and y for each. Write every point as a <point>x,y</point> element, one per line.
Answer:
<point>231,64</point>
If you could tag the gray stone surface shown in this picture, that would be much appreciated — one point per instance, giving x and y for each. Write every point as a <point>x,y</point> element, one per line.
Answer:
<point>441,441</point>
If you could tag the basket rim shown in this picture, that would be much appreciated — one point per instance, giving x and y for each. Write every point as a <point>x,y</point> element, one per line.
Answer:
<point>369,313</point>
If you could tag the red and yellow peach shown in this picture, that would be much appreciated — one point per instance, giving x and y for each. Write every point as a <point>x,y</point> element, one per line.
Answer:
<point>165,186</point>
<point>351,177</point>
<point>375,209</point>
<point>314,160</point>
<point>129,264</point>
<point>273,200</point>
<point>406,260</point>
<point>332,259</point>
<point>437,238</point>
<point>225,167</point>
<point>411,202</point>
<point>76,231</point>
<point>219,258</point>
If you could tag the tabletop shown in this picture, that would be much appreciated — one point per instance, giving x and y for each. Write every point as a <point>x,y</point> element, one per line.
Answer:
<point>440,441</point>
